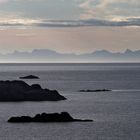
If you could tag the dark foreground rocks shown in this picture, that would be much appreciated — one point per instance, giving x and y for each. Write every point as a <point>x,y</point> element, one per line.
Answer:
<point>20,91</point>
<point>98,90</point>
<point>29,77</point>
<point>52,117</point>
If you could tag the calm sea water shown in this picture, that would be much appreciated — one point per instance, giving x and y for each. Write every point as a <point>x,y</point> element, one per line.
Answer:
<point>116,114</point>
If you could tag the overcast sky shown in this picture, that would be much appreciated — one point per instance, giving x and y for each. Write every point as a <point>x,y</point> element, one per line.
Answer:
<point>111,16</point>
<point>69,9</point>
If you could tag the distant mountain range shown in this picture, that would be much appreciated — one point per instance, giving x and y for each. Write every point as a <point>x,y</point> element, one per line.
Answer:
<point>45,55</point>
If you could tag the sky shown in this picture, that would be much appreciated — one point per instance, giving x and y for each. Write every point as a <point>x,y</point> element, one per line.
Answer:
<point>28,11</point>
<point>75,26</point>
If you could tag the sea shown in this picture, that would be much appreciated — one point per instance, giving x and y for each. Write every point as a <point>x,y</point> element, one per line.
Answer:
<point>116,114</point>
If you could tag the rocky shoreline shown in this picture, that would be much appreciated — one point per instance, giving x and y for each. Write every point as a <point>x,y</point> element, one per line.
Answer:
<point>97,90</point>
<point>18,90</point>
<point>44,117</point>
<point>29,77</point>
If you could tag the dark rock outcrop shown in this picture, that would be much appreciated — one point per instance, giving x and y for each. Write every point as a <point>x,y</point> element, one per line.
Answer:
<point>98,90</point>
<point>52,117</point>
<point>29,77</point>
<point>20,91</point>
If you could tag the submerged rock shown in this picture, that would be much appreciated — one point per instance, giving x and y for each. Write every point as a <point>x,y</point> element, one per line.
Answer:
<point>52,117</point>
<point>98,90</point>
<point>29,77</point>
<point>20,91</point>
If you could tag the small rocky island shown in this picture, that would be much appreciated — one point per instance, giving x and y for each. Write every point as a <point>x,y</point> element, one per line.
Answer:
<point>29,77</point>
<point>52,117</point>
<point>20,91</point>
<point>97,90</point>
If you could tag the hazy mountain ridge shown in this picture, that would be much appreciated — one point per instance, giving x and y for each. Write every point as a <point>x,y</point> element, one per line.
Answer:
<point>46,55</point>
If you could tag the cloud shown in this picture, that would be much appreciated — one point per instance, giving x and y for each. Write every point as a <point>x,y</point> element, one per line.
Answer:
<point>106,3</point>
<point>52,9</point>
<point>26,22</point>
<point>73,9</point>
<point>110,9</point>
<point>69,13</point>
<point>16,20</point>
